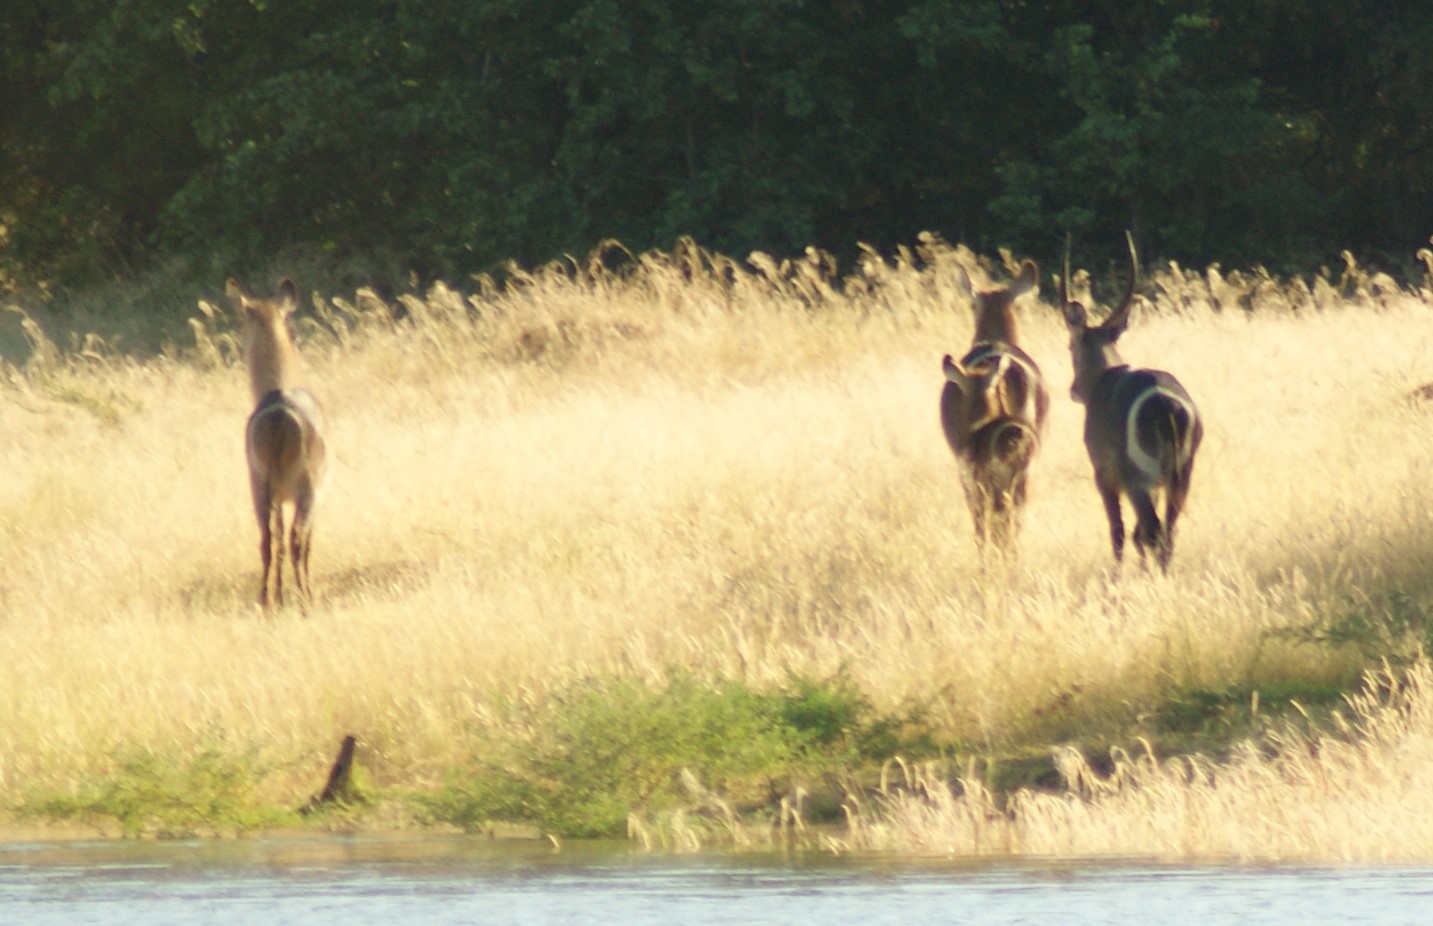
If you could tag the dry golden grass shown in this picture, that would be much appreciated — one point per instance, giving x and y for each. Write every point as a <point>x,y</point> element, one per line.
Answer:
<point>1363,793</point>
<point>626,473</point>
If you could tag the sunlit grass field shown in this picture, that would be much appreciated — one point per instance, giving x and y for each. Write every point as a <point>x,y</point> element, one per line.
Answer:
<point>685,467</point>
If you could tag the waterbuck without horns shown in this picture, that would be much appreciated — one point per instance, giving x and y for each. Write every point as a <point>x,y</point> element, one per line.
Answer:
<point>992,409</point>
<point>284,438</point>
<point>1142,429</point>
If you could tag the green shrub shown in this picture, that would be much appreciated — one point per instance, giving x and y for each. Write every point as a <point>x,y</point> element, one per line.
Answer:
<point>151,794</point>
<point>585,759</point>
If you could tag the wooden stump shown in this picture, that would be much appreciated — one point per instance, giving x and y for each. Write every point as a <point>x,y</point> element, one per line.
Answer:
<point>336,790</point>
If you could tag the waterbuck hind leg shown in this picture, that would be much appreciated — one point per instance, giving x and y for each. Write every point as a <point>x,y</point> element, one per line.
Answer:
<point>277,532</point>
<point>297,550</point>
<point>976,500</point>
<point>1164,551</point>
<point>1149,534</point>
<point>1110,495</point>
<point>1017,493</point>
<point>1014,502</point>
<point>1004,527</point>
<point>1173,505</point>
<point>1010,505</point>
<point>263,513</point>
<point>301,544</point>
<point>266,556</point>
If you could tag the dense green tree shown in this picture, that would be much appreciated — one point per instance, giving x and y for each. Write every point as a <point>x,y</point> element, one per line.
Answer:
<point>449,135</point>
<point>92,141</point>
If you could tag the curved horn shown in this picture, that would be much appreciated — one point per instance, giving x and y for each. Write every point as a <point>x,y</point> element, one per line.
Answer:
<point>1074,312</point>
<point>1120,316</point>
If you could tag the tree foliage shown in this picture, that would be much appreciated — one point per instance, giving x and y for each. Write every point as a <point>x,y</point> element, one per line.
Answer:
<point>450,135</point>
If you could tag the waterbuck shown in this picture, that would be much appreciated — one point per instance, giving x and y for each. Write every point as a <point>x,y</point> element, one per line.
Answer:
<point>1142,429</point>
<point>284,438</point>
<point>992,409</point>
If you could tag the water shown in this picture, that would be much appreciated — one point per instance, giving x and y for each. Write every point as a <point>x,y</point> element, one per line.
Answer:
<point>266,882</point>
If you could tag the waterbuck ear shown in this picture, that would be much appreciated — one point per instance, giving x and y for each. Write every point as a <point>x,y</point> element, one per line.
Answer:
<point>238,295</point>
<point>1075,316</point>
<point>955,374</point>
<point>235,290</point>
<point>962,277</point>
<point>1027,281</point>
<point>288,296</point>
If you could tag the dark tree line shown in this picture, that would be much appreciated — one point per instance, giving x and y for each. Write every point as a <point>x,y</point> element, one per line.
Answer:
<point>449,135</point>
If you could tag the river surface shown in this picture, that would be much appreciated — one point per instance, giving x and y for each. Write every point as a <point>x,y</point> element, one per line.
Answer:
<point>367,880</point>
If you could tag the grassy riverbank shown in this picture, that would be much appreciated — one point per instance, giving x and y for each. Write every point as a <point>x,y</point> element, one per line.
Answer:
<point>685,548</point>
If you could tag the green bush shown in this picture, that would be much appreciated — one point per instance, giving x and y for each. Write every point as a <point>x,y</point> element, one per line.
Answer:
<point>210,794</point>
<point>585,759</point>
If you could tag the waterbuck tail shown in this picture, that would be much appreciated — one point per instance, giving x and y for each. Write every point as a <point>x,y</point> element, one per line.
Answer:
<point>276,443</point>
<point>1005,447</point>
<point>1187,432</point>
<point>1178,426</point>
<point>1175,427</point>
<point>1014,443</point>
<point>1184,428</point>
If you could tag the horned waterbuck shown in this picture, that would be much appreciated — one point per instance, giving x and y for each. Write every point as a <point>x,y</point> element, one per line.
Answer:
<point>1142,429</point>
<point>992,409</point>
<point>284,438</point>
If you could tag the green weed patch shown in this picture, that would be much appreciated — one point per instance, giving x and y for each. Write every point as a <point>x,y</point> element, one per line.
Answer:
<point>582,762</point>
<point>149,794</point>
